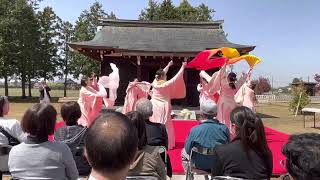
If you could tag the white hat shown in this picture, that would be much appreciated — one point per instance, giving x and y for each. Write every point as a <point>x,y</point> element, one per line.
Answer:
<point>208,107</point>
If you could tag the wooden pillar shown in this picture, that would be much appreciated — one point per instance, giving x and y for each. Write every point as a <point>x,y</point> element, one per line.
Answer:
<point>185,76</point>
<point>139,68</point>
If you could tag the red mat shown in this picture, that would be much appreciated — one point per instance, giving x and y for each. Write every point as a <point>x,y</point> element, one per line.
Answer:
<point>275,140</point>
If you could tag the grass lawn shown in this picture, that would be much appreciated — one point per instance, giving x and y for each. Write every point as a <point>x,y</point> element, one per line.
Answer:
<point>16,92</point>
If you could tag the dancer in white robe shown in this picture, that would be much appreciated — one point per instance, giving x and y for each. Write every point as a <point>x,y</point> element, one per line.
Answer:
<point>246,95</point>
<point>162,93</point>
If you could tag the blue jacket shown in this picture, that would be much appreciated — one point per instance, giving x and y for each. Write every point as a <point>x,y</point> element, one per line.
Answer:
<point>208,134</point>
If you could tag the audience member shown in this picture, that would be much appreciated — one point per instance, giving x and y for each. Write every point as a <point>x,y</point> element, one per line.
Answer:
<point>208,134</point>
<point>38,158</point>
<point>148,161</point>
<point>248,155</point>
<point>73,135</point>
<point>302,156</point>
<point>10,133</point>
<point>111,145</point>
<point>156,132</point>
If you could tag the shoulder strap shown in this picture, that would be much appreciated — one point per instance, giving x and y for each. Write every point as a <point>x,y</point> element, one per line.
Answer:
<point>79,135</point>
<point>9,136</point>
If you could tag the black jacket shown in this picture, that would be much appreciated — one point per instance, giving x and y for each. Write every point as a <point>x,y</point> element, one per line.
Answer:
<point>233,161</point>
<point>156,134</point>
<point>41,90</point>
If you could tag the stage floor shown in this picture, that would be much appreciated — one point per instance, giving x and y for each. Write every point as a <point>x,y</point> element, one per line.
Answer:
<point>275,140</point>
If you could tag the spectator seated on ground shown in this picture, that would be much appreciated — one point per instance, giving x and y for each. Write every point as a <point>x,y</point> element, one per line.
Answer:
<point>10,133</point>
<point>38,158</point>
<point>303,156</point>
<point>73,135</point>
<point>111,144</point>
<point>248,155</point>
<point>156,132</point>
<point>148,161</point>
<point>208,134</point>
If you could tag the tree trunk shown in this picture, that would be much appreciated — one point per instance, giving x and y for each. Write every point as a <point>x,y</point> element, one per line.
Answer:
<point>6,90</point>
<point>23,86</point>
<point>29,86</point>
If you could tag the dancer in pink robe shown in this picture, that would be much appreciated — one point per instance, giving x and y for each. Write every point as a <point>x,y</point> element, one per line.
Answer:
<point>228,85</point>
<point>93,96</point>
<point>246,96</point>
<point>203,88</point>
<point>135,91</point>
<point>90,101</point>
<point>162,93</point>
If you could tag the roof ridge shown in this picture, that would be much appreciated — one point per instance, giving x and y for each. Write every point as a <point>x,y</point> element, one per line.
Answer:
<point>162,24</point>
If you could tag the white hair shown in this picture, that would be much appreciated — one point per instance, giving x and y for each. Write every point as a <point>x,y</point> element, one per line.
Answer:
<point>144,107</point>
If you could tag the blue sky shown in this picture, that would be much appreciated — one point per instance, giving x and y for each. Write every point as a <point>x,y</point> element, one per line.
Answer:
<point>286,32</point>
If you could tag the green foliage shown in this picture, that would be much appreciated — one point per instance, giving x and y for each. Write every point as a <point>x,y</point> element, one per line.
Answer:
<point>85,30</point>
<point>166,11</point>
<point>296,100</point>
<point>48,49</point>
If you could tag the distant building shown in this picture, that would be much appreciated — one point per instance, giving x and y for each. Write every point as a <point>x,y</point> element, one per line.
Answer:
<point>140,48</point>
<point>310,87</point>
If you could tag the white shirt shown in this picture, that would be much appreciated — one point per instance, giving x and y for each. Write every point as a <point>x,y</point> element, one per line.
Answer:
<point>13,127</point>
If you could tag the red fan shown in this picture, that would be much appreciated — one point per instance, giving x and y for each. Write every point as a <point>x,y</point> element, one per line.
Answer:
<point>203,61</point>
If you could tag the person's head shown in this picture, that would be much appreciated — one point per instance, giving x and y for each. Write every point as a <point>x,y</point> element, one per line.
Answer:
<point>144,107</point>
<point>249,128</point>
<point>43,82</point>
<point>253,85</point>
<point>303,156</point>
<point>232,78</point>
<point>4,106</point>
<point>111,144</point>
<point>39,120</point>
<point>208,109</point>
<point>135,80</point>
<point>70,112</point>
<point>85,81</point>
<point>161,75</point>
<point>139,123</point>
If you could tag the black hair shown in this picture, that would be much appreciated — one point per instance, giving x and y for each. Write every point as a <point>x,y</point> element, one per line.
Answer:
<point>139,123</point>
<point>111,143</point>
<point>160,73</point>
<point>232,78</point>
<point>250,130</point>
<point>83,81</point>
<point>39,120</point>
<point>303,156</point>
<point>3,101</point>
<point>70,112</point>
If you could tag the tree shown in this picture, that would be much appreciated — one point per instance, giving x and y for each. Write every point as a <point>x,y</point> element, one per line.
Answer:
<point>185,12</point>
<point>7,41</point>
<point>26,33</point>
<point>263,85</point>
<point>66,35</point>
<point>300,98</point>
<point>150,13</point>
<point>166,11</point>
<point>49,28</point>
<point>85,30</point>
